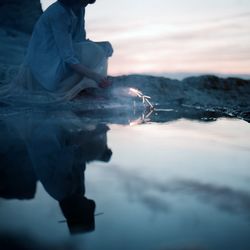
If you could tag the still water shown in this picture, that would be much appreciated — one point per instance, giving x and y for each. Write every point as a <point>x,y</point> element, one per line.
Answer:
<point>183,184</point>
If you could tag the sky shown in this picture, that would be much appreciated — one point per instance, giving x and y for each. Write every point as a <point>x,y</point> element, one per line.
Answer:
<point>172,37</point>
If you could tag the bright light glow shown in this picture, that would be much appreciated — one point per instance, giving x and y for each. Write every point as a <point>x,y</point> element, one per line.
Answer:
<point>135,92</point>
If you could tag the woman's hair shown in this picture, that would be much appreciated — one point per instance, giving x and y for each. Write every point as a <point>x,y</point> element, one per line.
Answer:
<point>72,2</point>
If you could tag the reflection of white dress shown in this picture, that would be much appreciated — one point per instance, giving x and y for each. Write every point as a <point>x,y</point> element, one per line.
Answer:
<point>59,149</point>
<point>58,39</point>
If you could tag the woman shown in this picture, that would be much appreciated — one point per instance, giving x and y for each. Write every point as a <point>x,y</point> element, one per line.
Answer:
<point>60,61</point>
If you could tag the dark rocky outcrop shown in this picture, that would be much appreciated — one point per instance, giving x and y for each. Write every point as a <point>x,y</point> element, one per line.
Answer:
<point>19,15</point>
<point>17,19</point>
<point>210,93</point>
<point>207,90</point>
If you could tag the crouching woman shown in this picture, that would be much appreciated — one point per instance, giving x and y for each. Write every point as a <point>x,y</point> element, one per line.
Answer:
<point>60,60</point>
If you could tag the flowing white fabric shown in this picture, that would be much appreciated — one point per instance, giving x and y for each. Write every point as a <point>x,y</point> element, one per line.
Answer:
<point>26,89</point>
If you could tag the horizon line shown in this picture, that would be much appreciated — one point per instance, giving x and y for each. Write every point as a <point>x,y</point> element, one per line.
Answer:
<point>183,75</point>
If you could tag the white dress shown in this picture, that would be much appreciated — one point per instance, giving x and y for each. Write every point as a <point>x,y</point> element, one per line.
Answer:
<point>58,39</point>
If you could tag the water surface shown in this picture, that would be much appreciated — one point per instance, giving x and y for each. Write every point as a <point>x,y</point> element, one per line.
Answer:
<point>183,184</point>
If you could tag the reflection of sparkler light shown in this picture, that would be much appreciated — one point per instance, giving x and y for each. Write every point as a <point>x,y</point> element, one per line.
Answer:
<point>136,92</point>
<point>143,119</point>
<point>134,123</point>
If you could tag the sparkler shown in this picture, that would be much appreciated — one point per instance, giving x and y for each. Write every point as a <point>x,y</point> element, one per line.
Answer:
<point>149,107</point>
<point>145,98</point>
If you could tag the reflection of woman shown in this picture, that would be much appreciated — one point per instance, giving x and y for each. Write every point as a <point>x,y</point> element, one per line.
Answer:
<point>60,60</point>
<point>17,176</point>
<point>55,151</point>
<point>59,150</point>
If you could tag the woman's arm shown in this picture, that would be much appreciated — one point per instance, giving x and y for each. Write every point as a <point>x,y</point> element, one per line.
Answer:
<point>60,25</point>
<point>84,71</point>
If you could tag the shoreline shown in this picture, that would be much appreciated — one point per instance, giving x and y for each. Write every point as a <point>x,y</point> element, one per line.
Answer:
<point>207,92</point>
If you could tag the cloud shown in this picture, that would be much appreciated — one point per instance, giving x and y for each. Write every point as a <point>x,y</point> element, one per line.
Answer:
<point>218,45</point>
<point>236,16</point>
<point>154,194</point>
<point>222,197</point>
<point>154,203</point>
<point>140,190</point>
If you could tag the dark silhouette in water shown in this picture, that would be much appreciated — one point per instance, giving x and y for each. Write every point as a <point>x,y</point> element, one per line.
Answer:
<point>79,212</point>
<point>55,152</point>
<point>17,176</point>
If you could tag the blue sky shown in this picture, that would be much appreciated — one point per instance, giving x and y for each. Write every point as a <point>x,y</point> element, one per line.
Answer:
<point>173,36</point>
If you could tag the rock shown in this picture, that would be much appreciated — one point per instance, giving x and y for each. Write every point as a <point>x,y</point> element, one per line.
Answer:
<point>17,19</point>
<point>202,90</point>
<point>19,15</point>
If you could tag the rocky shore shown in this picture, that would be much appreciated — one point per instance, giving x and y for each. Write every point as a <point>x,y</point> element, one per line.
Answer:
<point>210,93</point>
<point>17,19</point>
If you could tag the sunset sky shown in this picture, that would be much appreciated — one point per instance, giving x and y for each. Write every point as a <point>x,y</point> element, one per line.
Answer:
<point>160,37</point>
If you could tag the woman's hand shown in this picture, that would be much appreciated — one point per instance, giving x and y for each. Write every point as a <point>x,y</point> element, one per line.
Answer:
<point>84,71</point>
<point>102,81</point>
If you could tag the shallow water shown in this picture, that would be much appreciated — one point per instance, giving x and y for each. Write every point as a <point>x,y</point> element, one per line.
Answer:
<point>170,185</point>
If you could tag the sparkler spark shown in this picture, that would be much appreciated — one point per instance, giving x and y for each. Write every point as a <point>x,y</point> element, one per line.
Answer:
<point>136,92</point>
